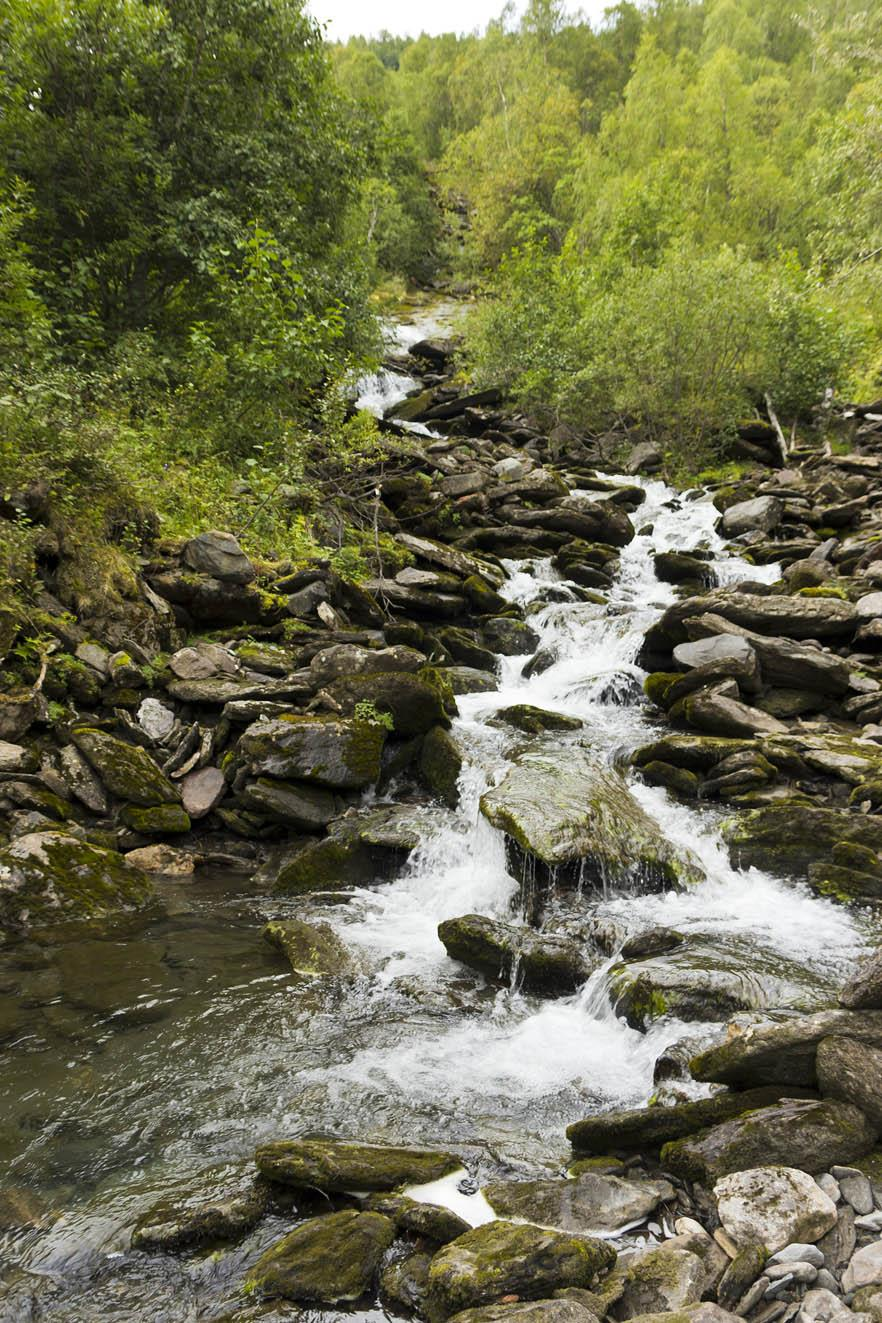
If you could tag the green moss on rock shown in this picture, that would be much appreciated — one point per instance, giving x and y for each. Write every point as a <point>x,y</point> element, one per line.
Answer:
<point>161,820</point>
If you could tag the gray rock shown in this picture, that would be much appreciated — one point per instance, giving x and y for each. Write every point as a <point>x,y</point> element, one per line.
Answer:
<point>644,458</point>
<point>93,655</point>
<point>329,1259</point>
<point>219,555</point>
<point>787,617</point>
<point>202,791</point>
<point>714,648</point>
<point>838,1244</point>
<point>782,1053</point>
<point>863,991</point>
<point>13,757</point>
<point>659,1281</point>
<point>773,1206</point>
<point>799,1252</point>
<point>343,755</point>
<point>794,1270</point>
<point>852,1071</point>
<point>717,713</point>
<point>529,1311</point>
<point>202,661</point>
<point>865,1268</point>
<point>155,719</point>
<point>763,513</point>
<point>129,773</point>
<point>333,1165</point>
<point>81,780</point>
<point>822,1306</point>
<point>307,807</point>
<point>857,1190</point>
<point>344,659</point>
<point>829,1185</point>
<point>869,607</point>
<point>783,661</point>
<point>591,1204</point>
<point>47,877</point>
<point>545,963</point>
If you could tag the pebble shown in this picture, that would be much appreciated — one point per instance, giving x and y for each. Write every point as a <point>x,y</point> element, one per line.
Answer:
<point>802,1253</point>
<point>794,1270</point>
<point>857,1191</point>
<point>830,1186</point>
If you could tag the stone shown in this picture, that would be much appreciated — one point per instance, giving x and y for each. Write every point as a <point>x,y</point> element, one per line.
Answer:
<point>48,877</point>
<point>718,713</point>
<point>534,720</point>
<point>294,803</point>
<point>590,1204</point>
<point>793,1133</point>
<point>167,860</point>
<point>857,1191</point>
<point>773,1206</point>
<point>865,1268</point>
<point>660,1281</point>
<point>822,1306</point>
<point>778,616</point>
<point>741,1273</point>
<point>312,949</point>
<point>529,1311</point>
<point>336,1165</point>
<point>863,991</point>
<point>403,1284</point>
<point>129,773</point>
<point>869,607</point>
<point>441,762</point>
<point>92,654</point>
<point>449,558</point>
<point>799,1252</point>
<point>829,1185</point>
<point>763,513</point>
<point>418,1219</point>
<point>155,719</point>
<point>545,963</point>
<point>219,555</point>
<point>200,1218</point>
<point>838,1245</point>
<point>202,791</point>
<point>329,1260</point>
<point>13,757</point>
<point>578,820</point>
<point>345,659</point>
<point>415,703</point>
<point>157,820</point>
<point>715,649</point>
<point>344,755</point>
<point>780,1053</point>
<point>502,1258</point>
<point>202,661</point>
<point>18,712</point>
<point>852,1072</point>
<point>469,680</point>
<point>644,458</point>
<point>82,782</point>
<point>650,1127</point>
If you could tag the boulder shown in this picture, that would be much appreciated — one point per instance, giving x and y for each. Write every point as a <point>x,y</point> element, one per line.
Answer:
<point>360,847</point>
<point>577,819</point>
<point>202,661</point>
<point>865,1268</point>
<point>18,712</point>
<point>789,838</point>
<point>441,762</point>
<point>294,803</point>
<point>793,1133</point>
<point>529,1311</point>
<point>790,617</point>
<point>783,661</point>
<point>720,714</point>
<point>313,950</point>
<point>645,457</point>
<point>432,1221</point>
<point>863,991</point>
<point>158,820</point>
<point>346,659</point>
<point>128,772</point>
<point>852,1072</point>
<point>404,1282</point>
<point>660,1280</point>
<point>781,1054</point>
<point>450,558</point>
<point>14,758</point>
<point>590,1204</point>
<point>344,755</point>
<point>334,1165</point>
<point>774,1207</point>
<point>763,513</point>
<point>729,654</point>
<point>82,782</point>
<point>534,720</point>
<point>219,555</point>
<point>649,1127</point>
<point>202,791</point>
<point>415,703</point>
<point>202,1217</point>
<point>329,1260</point>
<point>545,963</point>
<point>48,877</point>
<point>167,860</point>
<point>501,1259</point>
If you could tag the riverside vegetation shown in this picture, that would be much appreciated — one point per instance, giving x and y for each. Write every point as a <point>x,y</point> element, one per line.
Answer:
<point>441,854</point>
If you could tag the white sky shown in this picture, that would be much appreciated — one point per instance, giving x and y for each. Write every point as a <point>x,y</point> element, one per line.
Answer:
<point>346,18</point>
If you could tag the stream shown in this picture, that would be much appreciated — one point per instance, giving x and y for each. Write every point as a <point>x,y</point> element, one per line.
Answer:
<point>143,1061</point>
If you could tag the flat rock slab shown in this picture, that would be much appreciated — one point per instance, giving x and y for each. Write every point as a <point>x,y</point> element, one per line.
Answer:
<point>326,1259</point>
<point>501,1259</point>
<point>804,1134</point>
<point>774,1207</point>
<point>852,1072</point>
<point>574,815</point>
<point>343,755</point>
<point>529,1311</point>
<point>589,1204</point>
<point>332,1165</point>
<point>128,772</point>
<point>781,1053</point>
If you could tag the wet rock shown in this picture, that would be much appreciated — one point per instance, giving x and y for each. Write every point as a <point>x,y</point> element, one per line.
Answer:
<point>740,1274</point>
<point>789,838</point>
<point>18,712</point>
<point>14,758</point>
<point>590,1204</point>
<point>763,513</point>
<point>219,555</point>
<point>683,567</point>
<point>337,1165</point>
<point>782,1053</point>
<point>47,877</point>
<point>296,804</point>
<point>432,1221</point>
<point>545,963</point>
<point>441,762</point>
<point>653,941</point>
<point>773,1206</point>
<point>508,637</point>
<point>200,1218</point>
<point>202,791</point>
<point>783,661</point>
<point>359,847</point>
<point>128,772</point>
<point>534,720</point>
<point>503,1259</point>
<point>202,661</point>
<point>649,1127</point>
<point>469,680</point>
<point>164,859</point>
<point>579,819</point>
<point>403,1284</point>
<point>415,703</point>
<point>312,949</point>
<point>721,714</point>
<point>331,752</point>
<point>787,617</point>
<point>328,1260</point>
<point>863,991</point>
<point>223,691</point>
<point>695,981</point>
<point>720,655</point>
<point>852,1072</point>
<point>804,1134</point>
<point>659,1281</point>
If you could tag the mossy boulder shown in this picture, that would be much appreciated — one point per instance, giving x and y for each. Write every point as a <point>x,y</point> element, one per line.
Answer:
<point>203,1216</point>
<point>501,1259</point>
<point>441,762</point>
<point>432,1221</point>
<point>313,950</point>
<point>781,1053</point>
<point>337,1165</point>
<point>675,779</point>
<point>588,1203</point>
<point>542,962</point>
<point>329,1260</point>
<point>128,772</point>
<point>791,837</point>
<point>329,751</point>
<point>811,1136</point>
<point>534,720</point>
<point>403,1284</point>
<point>529,1311</point>
<point>660,1280</point>
<point>360,847</point>
<point>415,702</point>
<point>50,877</point>
<point>160,820</point>
<point>576,820</point>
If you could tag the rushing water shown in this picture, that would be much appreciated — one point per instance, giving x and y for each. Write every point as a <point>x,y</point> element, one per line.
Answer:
<point>142,1061</point>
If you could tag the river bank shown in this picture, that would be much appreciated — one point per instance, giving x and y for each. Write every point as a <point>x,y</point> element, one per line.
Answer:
<point>453,738</point>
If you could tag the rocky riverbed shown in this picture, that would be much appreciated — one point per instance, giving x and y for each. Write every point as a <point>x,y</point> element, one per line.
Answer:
<point>495,938</point>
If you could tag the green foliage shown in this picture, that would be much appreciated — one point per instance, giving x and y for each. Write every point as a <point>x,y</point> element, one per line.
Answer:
<point>367,711</point>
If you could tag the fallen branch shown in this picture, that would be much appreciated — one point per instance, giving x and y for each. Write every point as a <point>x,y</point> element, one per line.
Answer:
<point>773,418</point>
